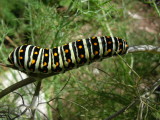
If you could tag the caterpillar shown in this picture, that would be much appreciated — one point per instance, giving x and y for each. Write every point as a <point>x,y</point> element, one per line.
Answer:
<point>33,59</point>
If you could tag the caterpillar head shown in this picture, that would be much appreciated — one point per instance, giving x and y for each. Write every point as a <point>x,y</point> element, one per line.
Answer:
<point>14,58</point>
<point>11,58</point>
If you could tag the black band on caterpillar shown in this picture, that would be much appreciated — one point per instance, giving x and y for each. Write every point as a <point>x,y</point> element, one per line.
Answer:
<point>33,59</point>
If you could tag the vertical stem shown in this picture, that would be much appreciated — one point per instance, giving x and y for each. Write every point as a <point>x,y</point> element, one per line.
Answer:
<point>155,6</point>
<point>34,102</point>
<point>31,24</point>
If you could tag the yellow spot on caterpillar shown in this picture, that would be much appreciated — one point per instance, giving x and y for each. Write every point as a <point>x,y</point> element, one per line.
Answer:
<point>65,44</point>
<point>127,46</point>
<point>69,60</point>
<point>45,64</point>
<point>109,50</point>
<point>93,37</point>
<point>78,40</point>
<point>81,56</point>
<point>38,47</point>
<point>47,49</point>
<point>57,63</point>
<point>108,36</point>
<point>80,46</point>
<point>33,61</point>
<point>109,42</point>
<point>120,50</point>
<point>66,51</point>
<point>95,44</point>
<point>35,53</point>
<point>55,47</point>
<point>55,54</point>
<point>96,52</point>
<point>21,50</point>
<point>20,58</point>
<point>46,55</point>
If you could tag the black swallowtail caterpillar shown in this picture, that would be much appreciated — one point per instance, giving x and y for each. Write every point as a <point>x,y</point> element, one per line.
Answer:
<point>33,59</point>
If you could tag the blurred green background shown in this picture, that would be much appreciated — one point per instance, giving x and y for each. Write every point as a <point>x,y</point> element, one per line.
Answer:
<point>90,93</point>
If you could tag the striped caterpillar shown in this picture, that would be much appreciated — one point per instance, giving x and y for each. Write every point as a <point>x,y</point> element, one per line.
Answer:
<point>33,59</point>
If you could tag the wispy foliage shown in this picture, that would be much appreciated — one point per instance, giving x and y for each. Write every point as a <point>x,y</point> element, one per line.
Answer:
<point>96,91</point>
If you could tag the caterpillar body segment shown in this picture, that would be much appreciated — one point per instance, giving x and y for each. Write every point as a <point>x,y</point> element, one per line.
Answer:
<point>33,59</point>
